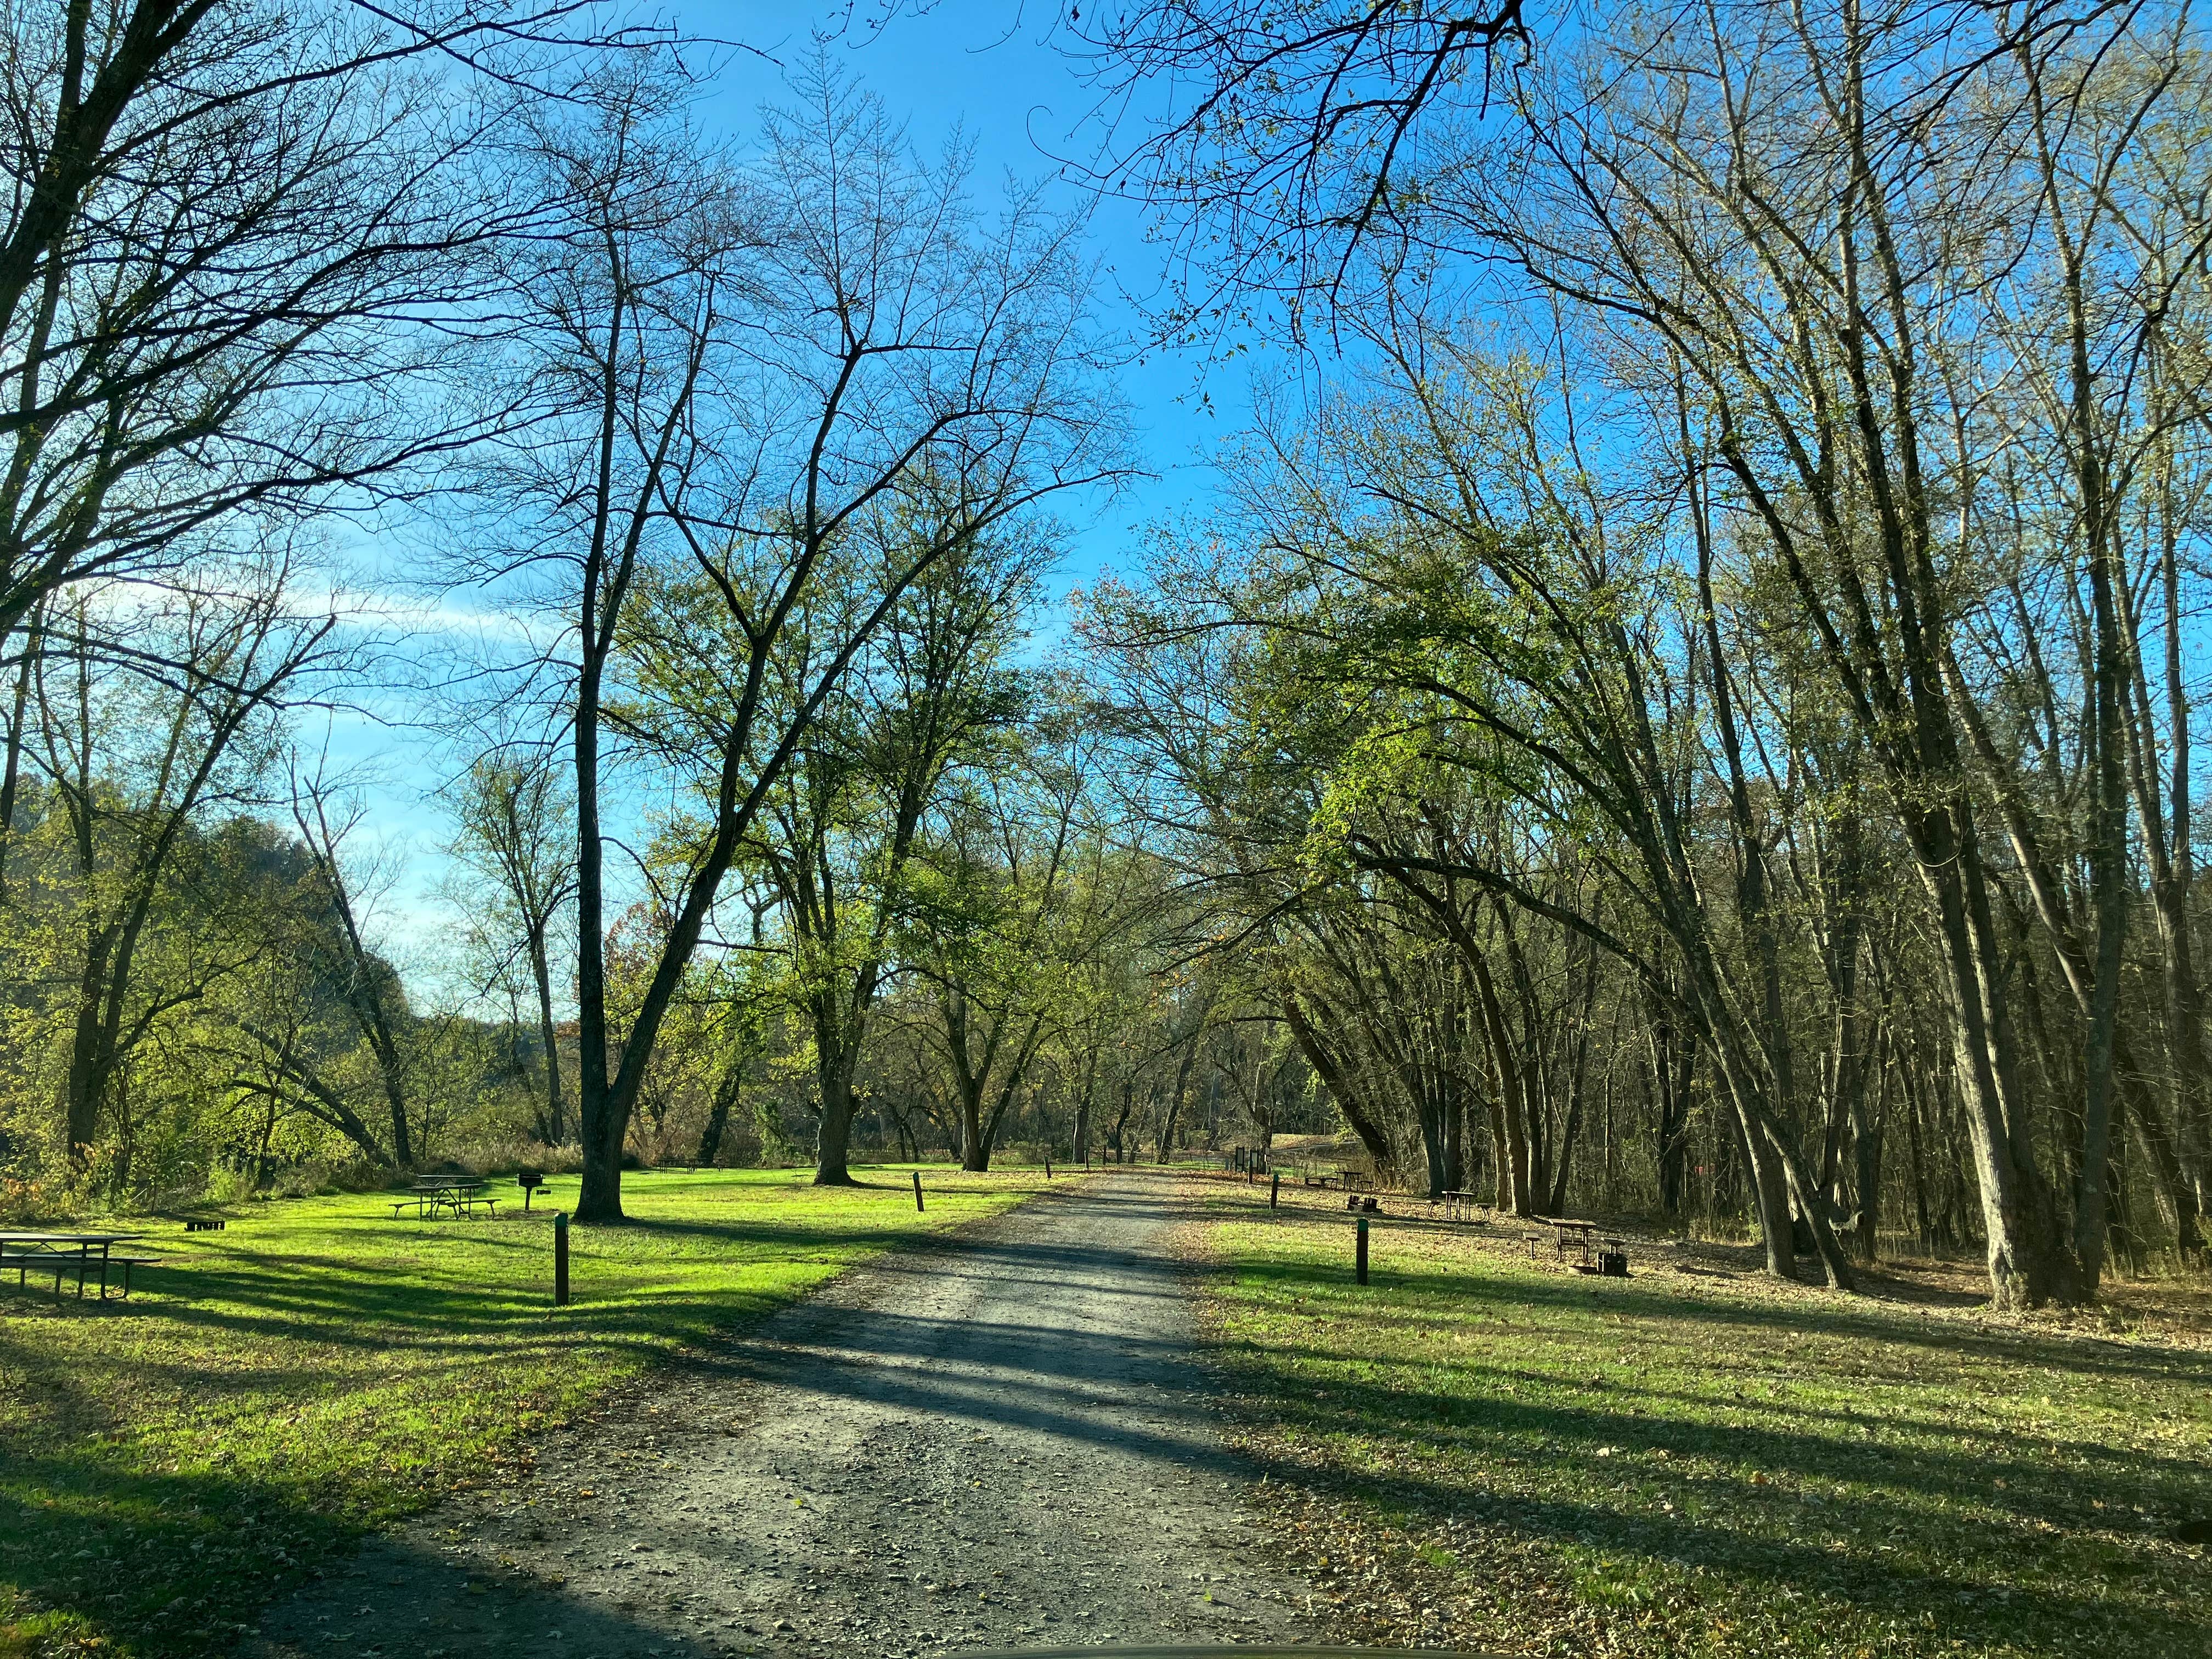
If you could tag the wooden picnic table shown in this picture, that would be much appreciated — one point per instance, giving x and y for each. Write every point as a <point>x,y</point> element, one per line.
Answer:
<point>454,1195</point>
<point>1344,1180</point>
<point>1584,1233</point>
<point>59,1253</point>
<point>1465,1206</point>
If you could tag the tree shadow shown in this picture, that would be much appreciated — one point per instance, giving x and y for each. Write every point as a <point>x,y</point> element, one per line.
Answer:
<point>105,1556</point>
<point>1818,1312</point>
<point>95,1538</point>
<point>2053,1540</point>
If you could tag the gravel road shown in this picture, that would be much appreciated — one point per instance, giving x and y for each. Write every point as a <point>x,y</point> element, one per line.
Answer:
<point>997,1439</point>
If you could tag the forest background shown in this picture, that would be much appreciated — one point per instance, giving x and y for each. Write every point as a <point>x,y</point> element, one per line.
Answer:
<point>1674,696</point>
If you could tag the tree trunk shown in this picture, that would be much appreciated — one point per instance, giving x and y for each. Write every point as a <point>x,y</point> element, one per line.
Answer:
<point>2029,1262</point>
<point>1866,1151</point>
<point>2110,884</point>
<point>975,1145</point>
<point>835,1060</point>
<point>556,1126</point>
<point>86,1073</point>
<point>11,770</point>
<point>727,1089</point>
<point>1673,1069</point>
<point>1577,1078</point>
<point>1115,1136</point>
<point>1335,1078</point>
<point>1175,1098</point>
<point>1510,1126</point>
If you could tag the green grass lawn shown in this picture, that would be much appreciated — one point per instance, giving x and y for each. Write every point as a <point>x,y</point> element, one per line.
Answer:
<point>169,1463</point>
<point>1480,1451</point>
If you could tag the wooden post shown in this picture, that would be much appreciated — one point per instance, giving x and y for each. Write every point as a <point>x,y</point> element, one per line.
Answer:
<point>917,1191</point>
<point>1275,1188</point>
<point>1047,1166</point>
<point>1360,1265</point>
<point>561,1260</point>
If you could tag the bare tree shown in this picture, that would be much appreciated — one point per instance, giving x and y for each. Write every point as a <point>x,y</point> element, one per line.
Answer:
<point>341,947</point>
<point>1283,140</point>
<point>236,237</point>
<point>740,369</point>
<point>1858,371</point>
<point>517,831</point>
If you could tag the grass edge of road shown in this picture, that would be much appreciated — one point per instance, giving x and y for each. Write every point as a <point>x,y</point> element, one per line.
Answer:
<point>170,1464</point>
<point>1477,1452</point>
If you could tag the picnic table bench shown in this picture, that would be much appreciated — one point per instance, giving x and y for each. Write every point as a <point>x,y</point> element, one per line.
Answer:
<point>89,1255</point>
<point>1595,1253</point>
<point>458,1196</point>
<point>1343,1180</point>
<point>1567,1234</point>
<point>1465,1206</point>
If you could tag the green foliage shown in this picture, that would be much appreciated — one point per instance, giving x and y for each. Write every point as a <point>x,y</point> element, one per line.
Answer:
<point>239,1055</point>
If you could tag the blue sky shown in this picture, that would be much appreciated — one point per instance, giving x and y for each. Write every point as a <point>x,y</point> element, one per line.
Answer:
<point>988,68</point>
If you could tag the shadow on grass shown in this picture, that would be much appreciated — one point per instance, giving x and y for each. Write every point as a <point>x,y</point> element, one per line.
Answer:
<point>98,1539</point>
<point>96,1547</point>
<point>1818,1312</point>
<point>104,1556</point>
<point>1444,1296</point>
<point>2052,1541</point>
<point>1901,1530</point>
<point>497,1278</point>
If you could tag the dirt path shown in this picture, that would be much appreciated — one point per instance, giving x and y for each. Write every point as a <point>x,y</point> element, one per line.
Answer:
<point>998,1440</point>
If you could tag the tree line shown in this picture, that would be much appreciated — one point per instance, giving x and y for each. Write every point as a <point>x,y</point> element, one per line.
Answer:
<point>1728,638</point>
<point>1684,707</point>
<point>757,793</point>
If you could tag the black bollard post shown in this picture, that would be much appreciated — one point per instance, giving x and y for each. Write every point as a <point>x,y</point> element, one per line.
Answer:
<point>917,1191</point>
<point>1361,1265</point>
<point>1047,1166</point>
<point>1275,1188</point>
<point>561,1260</point>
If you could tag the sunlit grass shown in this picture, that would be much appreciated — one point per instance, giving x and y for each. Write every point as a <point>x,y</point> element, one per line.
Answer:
<point>1704,1465</point>
<point>168,1464</point>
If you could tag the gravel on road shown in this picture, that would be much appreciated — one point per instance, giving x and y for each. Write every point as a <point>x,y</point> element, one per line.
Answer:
<point>998,1438</point>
